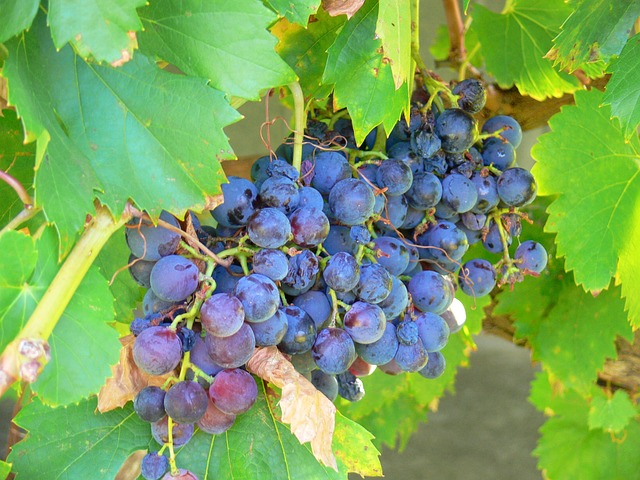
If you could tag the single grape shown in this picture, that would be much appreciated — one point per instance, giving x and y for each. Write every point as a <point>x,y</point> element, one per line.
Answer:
<point>498,153</point>
<point>310,197</point>
<point>477,278</point>
<point>333,351</point>
<point>492,242</point>
<point>316,304</point>
<point>187,338</point>
<point>425,143</point>
<point>222,315</point>
<point>304,362</point>
<point>350,387</point>
<point>152,304</point>
<point>268,228</point>
<point>149,404</point>
<point>271,263</point>
<point>182,432</point>
<point>435,365</point>
<point>360,234</point>
<point>328,169</point>
<point>473,221</point>
<point>374,284</point>
<point>365,322</point>
<point>303,269</point>
<point>433,331</point>
<point>325,383</point>
<point>411,358</point>
<point>407,332</point>
<point>200,358</point>
<point>351,201</point>
<point>226,278</point>
<point>240,200</point>
<point>301,332</point>
<point>412,219</point>
<point>403,151</point>
<point>215,421</point>
<point>449,241</point>
<point>360,368</point>
<point>270,332</point>
<point>174,278</point>
<point>487,193</point>
<point>455,316</point>
<point>259,297</point>
<point>425,192</point>
<point>309,226</point>
<point>459,193</point>
<point>153,466</point>
<point>152,243</point>
<point>457,129</point>
<point>186,402</point>
<point>394,210</point>
<point>431,292</point>
<point>281,168</point>
<point>140,270</point>
<point>472,95</point>
<point>280,193</point>
<point>391,368</point>
<point>531,256</point>
<point>233,391</point>
<point>341,272</point>
<point>394,175</point>
<point>392,254</point>
<point>517,187</point>
<point>259,169</point>
<point>339,240</point>
<point>397,301</point>
<point>157,350</point>
<point>510,128</point>
<point>232,351</point>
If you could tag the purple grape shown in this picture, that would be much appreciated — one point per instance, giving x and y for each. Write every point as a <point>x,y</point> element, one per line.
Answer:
<point>140,270</point>
<point>517,187</point>
<point>325,383</point>
<point>153,466</point>
<point>268,228</point>
<point>425,192</point>
<point>310,197</point>
<point>374,284</point>
<point>303,269</point>
<point>232,351</point>
<point>431,292</point>
<point>392,254</point>
<point>351,201</point>
<point>411,358</point>
<point>459,193</point>
<point>186,402</point>
<point>259,297</point>
<point>397,301</point>
<point>201,359</point>
<point>512,131</point>
<point>477,278</point>
<point>394,210</point>
<point>407,332</point>
<point>270,332</point>
<point>339,240</point>
<point>498,153</point>
<point>360,368</point>
<point>457,130</point>
<point>157,350</point>
<point>149,404</point>
<point>222,315</point>
<point>160,241</point>
<point>271,263</point>
<point>532,257</point>
<point>433,331</point>
<point>152,304</point>
<point>182,432</point>
<point>472,95</point>
<point>492,242</point>
<point>215,421</point>
<point>280,193</point>
<point>350,387</point>
<point>316,304</point>
<point>449,241</point>
<point>333,351</point>
<point>309,226</point>
<point>138,325</point>
<point>240,200</point>
<point>301,332</point>
<point>391,368</point>
<point>328,169</point>
<point>174,278</point>
<point>435,365</point>
<point>364,322</point>
<point>182,475</point>
<point>394,175</point>
<point>342,272</point>
<point>233,391</point>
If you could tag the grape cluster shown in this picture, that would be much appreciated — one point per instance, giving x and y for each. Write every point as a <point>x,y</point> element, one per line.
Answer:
<point>349,265</point>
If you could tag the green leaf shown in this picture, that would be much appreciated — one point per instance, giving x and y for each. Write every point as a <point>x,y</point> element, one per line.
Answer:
<point>363,79</point>
<point>611,414</point>
<point>16,15</point>
<point>623,89</point>
<point>465,5</point>
<point>5,470</point>
<point>597,29</point>
<point>83,345</point>
<point>352,445</point>
<point>101,29</point>
<point>296,11</point>
<point>305,49</point>
<point>515,41</point>
<point>595,173</point>
<point>226,41</point>
<point>17,160</point>
<point>257,447</point>
<point>134,132</point>
<point>394,29</point>
<point>440,46</point>
<point>76,441</point>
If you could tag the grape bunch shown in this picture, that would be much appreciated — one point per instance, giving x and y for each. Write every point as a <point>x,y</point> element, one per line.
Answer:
<point>347,263</point>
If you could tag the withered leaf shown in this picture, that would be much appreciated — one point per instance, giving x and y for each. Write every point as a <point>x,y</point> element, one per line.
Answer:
<point>340,7</point>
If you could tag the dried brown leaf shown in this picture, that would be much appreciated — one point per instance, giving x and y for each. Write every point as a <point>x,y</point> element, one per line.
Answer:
<point>309,413</point>
<point>340,7</point>
<point>127,379</point>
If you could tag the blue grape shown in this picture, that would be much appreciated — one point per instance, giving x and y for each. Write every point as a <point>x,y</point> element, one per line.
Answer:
<point>186,402</point>
<point>174,278</point>
<point>310,197</point>
<point>149,404</point>
<point>232,351</point>
<point>301,332</point>
<point>268,228</point>
<point>240,199</point>
<point>394,175</point>
<point>280,193</point>
<point>339,240</point>
<point>425,143</point>
<point>325,383</point>
<point>457,130</point>
<point>459,193</point>
<point>430,292</point>
<point>532,257</point>
<point>222,315</point>
<point>473,236</point>
<point>333,350</point>
<point>397,301</point>
<point>473,221</point>
<point>270,332</point>
<point>500,154</point>
<point>472,95</point>
<point>153,466</point>
<point>351,201</point>
<point>342,272</point>
<point>160,241</point>
<point>492,242</point>
<point>360,234</point>
<point>411,358</point>
<point>151,303</point>
<point>407,332</point>
<point>392,254</point>
<point>187,338</point>
<point>517,187</point>
<point>281,168</point>
<point>140,270</point>
<point>365,322</point>
<point>374,284</point>
<point>309,226</point>
<point>425,192</point>
<point>487,193</point>
<point>477,278</point>
<point>271,263</point>
<point>259,297</point>
<point>350,387</point>
<point>304,362</point>
<point>433,331</point>
<point>449,241</point>
<point>259,169</point>
<point>226,279</point>
<point>403,151</point>
<point>329,168</point>
<point>316,304</point>
<point>157,350</point>
<point>382,350</point>
<point>512,131</point>
<point>412,219</point>
<point>394,210</point>
<point>303,269</point>
<point>435,366</point>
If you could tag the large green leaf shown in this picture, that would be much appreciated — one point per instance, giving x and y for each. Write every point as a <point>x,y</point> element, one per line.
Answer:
<point>101,29</point>
<point>223,40</point>
<point>595,173</point>
<point>623,89</point>
<point>568,449</point>
<point>363,78</point>
<point>597,29</point>
<point>17,160</point>
<point>132,132</point>
<point>394,29</point>
<point>515,42</point>
<point>5,470</point>
<point>83,345</point>
<point>16,15</point>
<point>296,11</point>
<point>76,442</point>
<point>259,446</point>
<point>305,49</point>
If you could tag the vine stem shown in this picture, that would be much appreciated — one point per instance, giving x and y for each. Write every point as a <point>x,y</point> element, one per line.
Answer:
<point>18,188</point>
<point>455,26</point>
<point>58,295</point>
<point>298,132</point>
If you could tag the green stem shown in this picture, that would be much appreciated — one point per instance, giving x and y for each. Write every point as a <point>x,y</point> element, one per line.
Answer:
<point>59,293</point>
<point>24,215</point>
<point>172,453</point>
<point>300,124</point>
<point>380,145</point>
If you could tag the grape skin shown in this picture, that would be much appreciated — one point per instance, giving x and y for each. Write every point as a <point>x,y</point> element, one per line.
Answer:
<point>232,351</point>
<point>268,228</point>
<point>153,466</point>
<point>351,201</point>
<point>215,421</point>
<point>233,391</point>
<point>186,402</point>
<point>333,351</point>
<point>222,315</point>
<point>364,322</point>
<point>149,404</point>
<point>182,432</point>
<point>157,350</point>
<point>259,297</point>
<point>160,241</point>
<point>174,278</point>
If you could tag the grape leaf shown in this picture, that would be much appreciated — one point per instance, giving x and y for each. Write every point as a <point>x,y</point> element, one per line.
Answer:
<point>197,38</point>
<point>595,173</point>
<point>305,49</point>
<point>363,79</point>
<point>297,11</point>
<point>394,29</point>
<point>259,446</point>
<point>623,89</point>
<point>82,345</point>
<point>352,444</point>
<point>135,132</point>
<point>441,45</point>
<point>76,441</point>
<point>597,29</point>
<point>611,414</point>
<point>17,160</point>
<point>102,29</point>
<point>5,470</point>
<point>523,34</point>
<point>16,15</point>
